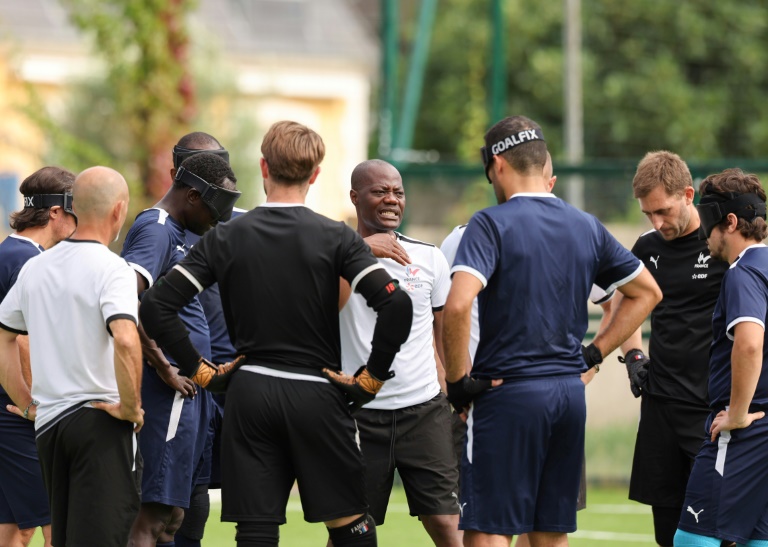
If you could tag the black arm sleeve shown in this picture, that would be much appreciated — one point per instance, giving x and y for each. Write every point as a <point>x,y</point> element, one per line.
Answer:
<point>393,322</point>
<point>159,314</point>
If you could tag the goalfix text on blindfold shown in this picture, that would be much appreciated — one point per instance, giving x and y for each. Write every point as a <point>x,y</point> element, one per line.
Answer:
<point>521,137</point>
<point>180,154</point>
<point>713,208</point>
<point>42,201</point>
<point>219,200</point>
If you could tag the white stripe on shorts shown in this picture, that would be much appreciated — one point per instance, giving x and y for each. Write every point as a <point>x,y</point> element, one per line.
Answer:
<point>470,421</point>
<point>173,423</point>
<point>722,448</point>
<point>135,441</point>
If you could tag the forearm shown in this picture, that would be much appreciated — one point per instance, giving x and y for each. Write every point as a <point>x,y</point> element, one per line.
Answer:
<point>456,327</point>
<point>128,368</point>
<point>159,315</point>
<point>639,297</point>
<point>635,341</point>
<point>746,365</point>
<point>26,366</point>
<point>11,376</point>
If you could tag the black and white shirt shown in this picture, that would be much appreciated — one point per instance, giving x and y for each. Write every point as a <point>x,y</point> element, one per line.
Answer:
<point>681,324</point>
<point>427,281</point>
<point>65,299</point>
<point>278,268</point>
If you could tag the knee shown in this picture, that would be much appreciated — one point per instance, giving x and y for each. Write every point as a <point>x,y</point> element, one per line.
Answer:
<point>252,534</point>
<point>442,528</point>
<point>174,522</point>
<point>195,518</point>
<point>360,532</point>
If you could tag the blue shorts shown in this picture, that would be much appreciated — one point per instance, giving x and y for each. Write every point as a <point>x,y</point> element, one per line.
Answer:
<point>206,436</point>
<point>217,421</point>
<point>23,499</point>
<point>172,441</point>
<point>727,495</point>
<point>522,462</point>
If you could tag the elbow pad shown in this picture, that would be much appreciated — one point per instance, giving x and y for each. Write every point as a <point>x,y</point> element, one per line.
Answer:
<point>393,322</point>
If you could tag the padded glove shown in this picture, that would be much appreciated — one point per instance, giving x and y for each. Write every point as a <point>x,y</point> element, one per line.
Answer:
<point>461,393</point>
<point>215,378</point>
<point>637,370</point>
<point>359,389</point>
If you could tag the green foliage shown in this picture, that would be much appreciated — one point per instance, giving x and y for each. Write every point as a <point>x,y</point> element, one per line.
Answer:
<point>146,97</point>
<point>688,76</point>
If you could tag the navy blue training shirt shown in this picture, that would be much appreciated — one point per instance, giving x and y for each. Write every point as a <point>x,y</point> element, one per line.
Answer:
<point>537,257</point>
<point>743,297</point>
<point>15,250</point>
<point>153,245</point>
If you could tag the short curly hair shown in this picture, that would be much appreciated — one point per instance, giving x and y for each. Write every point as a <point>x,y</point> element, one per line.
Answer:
<point>211,168</point>
<point>48,180</point>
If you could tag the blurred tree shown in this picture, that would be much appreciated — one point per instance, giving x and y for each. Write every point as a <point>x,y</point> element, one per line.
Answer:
<point>147,95</point>
<point>686,76</point>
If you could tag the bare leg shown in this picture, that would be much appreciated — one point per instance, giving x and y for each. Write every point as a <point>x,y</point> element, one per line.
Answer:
<point>548,539</point>
<point>443,529</point>
<point>473,538</point>
<point>522,541</point>
<point>150,523</point>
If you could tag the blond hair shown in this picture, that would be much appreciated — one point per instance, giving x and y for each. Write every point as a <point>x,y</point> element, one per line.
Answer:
<point>661,168</point>
<point>292,152</point>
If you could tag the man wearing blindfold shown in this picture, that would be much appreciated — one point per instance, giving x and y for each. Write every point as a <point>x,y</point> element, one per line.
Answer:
<point>203,193</point>
<point>727,494</point>
<point>46,219</point>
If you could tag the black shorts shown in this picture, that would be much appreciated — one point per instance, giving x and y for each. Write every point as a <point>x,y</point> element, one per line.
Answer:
<point>418,441</point>
<point>278,431</point>
<point>92,471</point>
<point>669,436</point>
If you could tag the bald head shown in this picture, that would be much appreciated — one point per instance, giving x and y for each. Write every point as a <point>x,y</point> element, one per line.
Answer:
<point>96,192</point>
<point>369,171</point>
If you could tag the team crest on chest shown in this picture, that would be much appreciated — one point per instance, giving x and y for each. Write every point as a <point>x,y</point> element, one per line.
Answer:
<point>412,281</point>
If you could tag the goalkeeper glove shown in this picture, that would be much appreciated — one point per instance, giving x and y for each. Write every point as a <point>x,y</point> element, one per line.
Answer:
<point>637,370</point>
<point>215,378</point>
<point>461,393</point>
<point>359,389</point>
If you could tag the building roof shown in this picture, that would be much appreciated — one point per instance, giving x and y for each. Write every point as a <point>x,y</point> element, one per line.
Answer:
<point>321,29</point>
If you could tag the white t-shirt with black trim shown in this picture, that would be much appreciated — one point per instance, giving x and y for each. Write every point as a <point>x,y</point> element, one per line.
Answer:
<point>65,299</point>
<point>427,281</point>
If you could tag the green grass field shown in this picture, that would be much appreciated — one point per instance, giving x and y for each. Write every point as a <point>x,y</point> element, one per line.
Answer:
<point>609,520</point>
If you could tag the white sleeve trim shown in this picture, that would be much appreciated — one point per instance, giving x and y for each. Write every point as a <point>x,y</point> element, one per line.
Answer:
<point>189,276</point>
<point>362,274</point>
<point>626,280</point>
<point>470,271</point>
<point>742,320</point>
<point>143,272</point>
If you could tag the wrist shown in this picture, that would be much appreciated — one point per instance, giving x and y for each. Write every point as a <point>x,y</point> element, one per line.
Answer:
<point>33,402</point>
<point>592,355</point>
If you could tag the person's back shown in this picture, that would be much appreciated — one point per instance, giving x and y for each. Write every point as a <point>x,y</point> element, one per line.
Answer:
<point>68,362</point>
<point>536,259</point>
<point>283,254</point>
<point>547,255</point>
<point>288,420</point>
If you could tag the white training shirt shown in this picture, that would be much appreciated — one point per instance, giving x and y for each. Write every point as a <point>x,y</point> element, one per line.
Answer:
<point>65,299</point>
<point>449,247</point>
<point>427,282</point>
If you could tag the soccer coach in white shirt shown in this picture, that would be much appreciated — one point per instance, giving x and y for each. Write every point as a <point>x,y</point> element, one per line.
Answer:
<point>408,425</point>
<point>78,303</point>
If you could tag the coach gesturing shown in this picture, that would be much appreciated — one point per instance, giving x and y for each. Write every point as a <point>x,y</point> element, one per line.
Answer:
<point>278,268</point>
